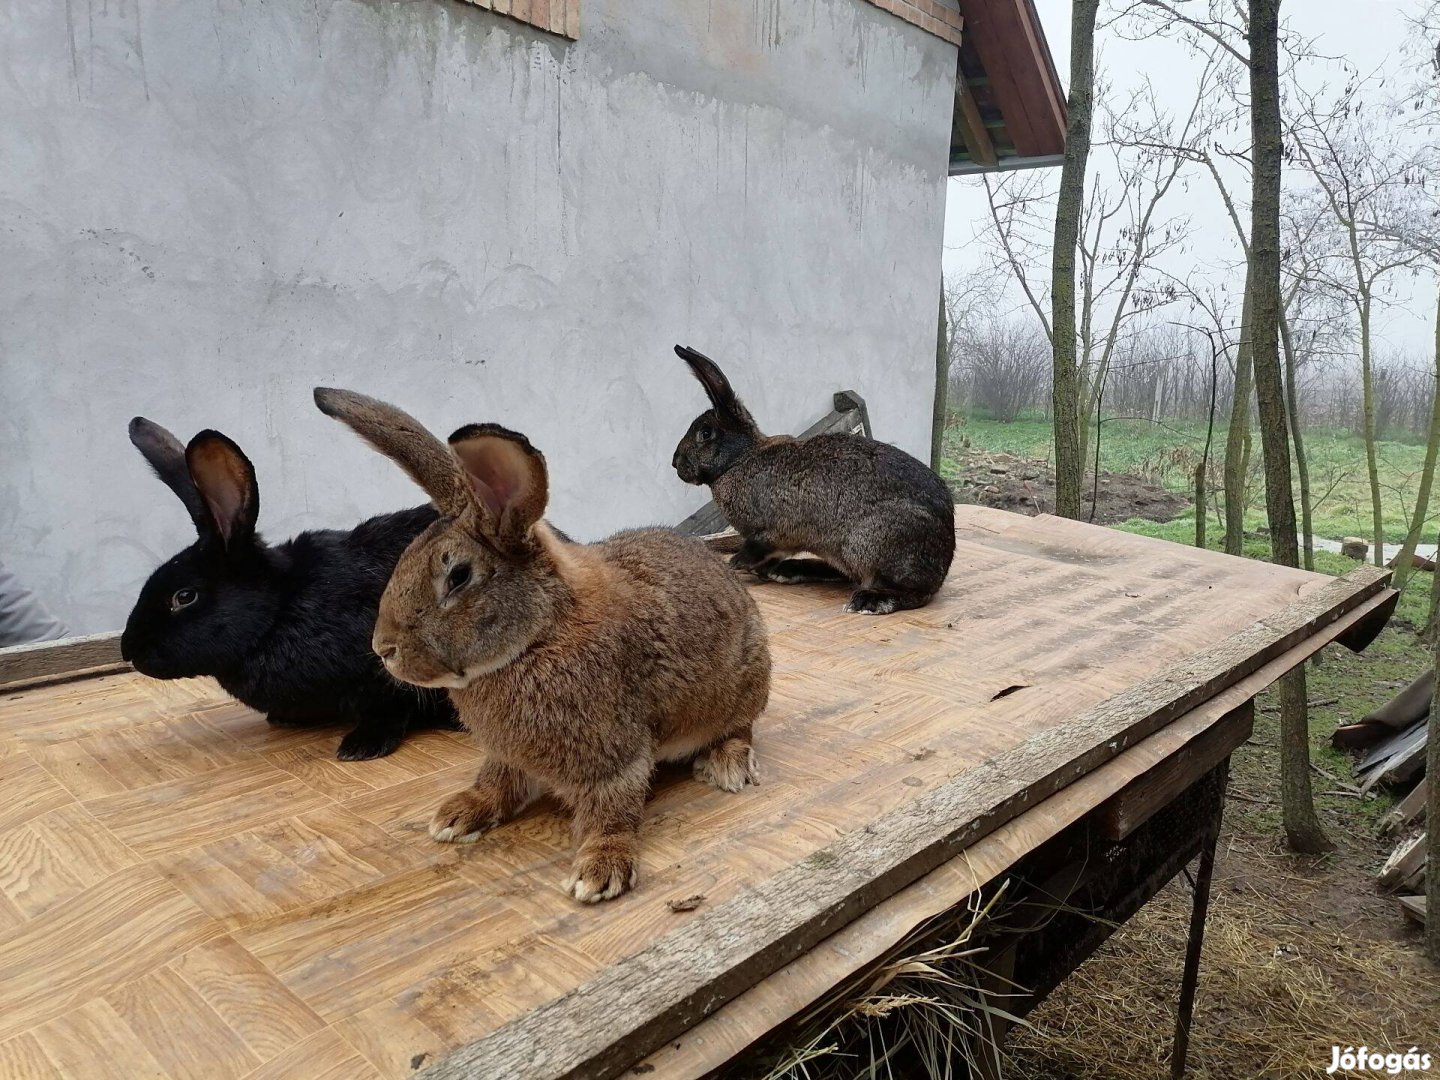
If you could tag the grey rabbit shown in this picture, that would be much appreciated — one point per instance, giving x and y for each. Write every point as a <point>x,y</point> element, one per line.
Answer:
<point>870,513</point>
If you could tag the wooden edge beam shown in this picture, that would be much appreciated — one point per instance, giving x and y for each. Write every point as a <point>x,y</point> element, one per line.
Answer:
<point>91,654</point>
<point>972,126</point>
<point>1358,637</point>
<point>1141,799</point>
<point>629,1009</point>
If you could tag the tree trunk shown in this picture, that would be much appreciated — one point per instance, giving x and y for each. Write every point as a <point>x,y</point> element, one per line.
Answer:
<point>942,388</point>
<point>1302,827</point>
<point>1427,633</point>
<point>1427,474</point>
<point>1432,824</point>
<point>1200,505</point>
<point>1237,439</point>
<point>1065,397</point>
<point>1202,471</point>
<point>1368,411</point>
<point>1302,463</point>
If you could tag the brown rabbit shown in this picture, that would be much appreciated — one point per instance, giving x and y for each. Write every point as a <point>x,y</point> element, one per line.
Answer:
<point>576,667</point>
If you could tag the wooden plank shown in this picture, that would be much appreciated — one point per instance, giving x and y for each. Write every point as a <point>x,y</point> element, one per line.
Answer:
<point>1144,796</point>
<point>654,994</point>
<point>1408,809</point>
<point>1401,761</point>
<point>971,126</point>
<point>1404,863</point>
<point>809,977</point>
<point>92,654</point>
<point>1358,638</point>
<point>1380,755</point>
<point>1413,907</point>
<point>1013,52</point>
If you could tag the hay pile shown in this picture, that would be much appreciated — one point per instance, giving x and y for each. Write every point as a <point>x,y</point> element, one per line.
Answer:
<point>1276,993</point>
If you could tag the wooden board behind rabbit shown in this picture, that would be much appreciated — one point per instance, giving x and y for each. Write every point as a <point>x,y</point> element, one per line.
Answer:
<point>576,667</point>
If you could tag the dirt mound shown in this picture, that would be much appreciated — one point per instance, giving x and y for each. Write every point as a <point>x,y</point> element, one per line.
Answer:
<point>1008,482</point>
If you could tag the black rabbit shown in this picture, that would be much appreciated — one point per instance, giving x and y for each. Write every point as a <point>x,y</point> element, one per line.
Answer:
<point>284,629</point>
<point>868,511</point>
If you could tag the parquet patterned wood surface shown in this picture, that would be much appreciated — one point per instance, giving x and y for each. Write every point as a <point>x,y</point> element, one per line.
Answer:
<point>187,892</point>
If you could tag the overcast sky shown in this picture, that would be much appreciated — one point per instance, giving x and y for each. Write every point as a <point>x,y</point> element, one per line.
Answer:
<point>1369,33</point>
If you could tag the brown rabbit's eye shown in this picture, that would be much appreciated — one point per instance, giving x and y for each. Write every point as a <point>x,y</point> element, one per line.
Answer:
<point>457,578</point>
<point>183,598</point>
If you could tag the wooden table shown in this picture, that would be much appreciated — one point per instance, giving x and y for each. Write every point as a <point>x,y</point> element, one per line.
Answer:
<point>185,891</point>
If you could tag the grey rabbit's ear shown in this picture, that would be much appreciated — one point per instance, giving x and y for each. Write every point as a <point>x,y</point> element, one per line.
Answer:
<point>166,455</point>
<point>400,437</point>
<point>225,480</point>
<point>717,386</point>
<point>508,477</point>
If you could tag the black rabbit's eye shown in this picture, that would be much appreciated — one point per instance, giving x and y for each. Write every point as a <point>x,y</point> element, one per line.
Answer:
<point>705,434</point>
<point>457,578</point>
<point>183,598</point>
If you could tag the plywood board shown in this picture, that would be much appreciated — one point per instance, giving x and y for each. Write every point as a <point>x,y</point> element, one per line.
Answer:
<point>151,821</point>
<point>802,984</point>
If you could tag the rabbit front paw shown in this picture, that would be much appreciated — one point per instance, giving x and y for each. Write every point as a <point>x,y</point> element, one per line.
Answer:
<point>463,817</point>
<point>371,740</point>
<point>728,766</point>
<point>602,873</point>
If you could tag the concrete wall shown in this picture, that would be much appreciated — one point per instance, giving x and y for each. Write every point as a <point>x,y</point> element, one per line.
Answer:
<point>206,209</point>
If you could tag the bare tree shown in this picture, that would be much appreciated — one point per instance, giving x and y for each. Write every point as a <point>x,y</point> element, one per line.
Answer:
<point>1365,187</point>
<point>1427,474</point>
<point>1002,366</point>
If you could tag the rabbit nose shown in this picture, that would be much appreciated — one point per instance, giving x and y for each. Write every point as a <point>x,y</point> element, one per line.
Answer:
<point>386,650</point>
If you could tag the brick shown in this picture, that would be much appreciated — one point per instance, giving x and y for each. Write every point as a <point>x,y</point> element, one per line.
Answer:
<point>932,16</point>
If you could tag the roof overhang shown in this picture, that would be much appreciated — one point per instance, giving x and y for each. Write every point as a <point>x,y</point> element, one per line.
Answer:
<point>1009,104</point>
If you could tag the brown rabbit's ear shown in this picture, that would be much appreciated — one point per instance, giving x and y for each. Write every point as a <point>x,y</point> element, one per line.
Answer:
<point>717,386</point>
<point>508,477</point>
<point>401,438</point>
<point>226,481</point>
<point>166,455</point>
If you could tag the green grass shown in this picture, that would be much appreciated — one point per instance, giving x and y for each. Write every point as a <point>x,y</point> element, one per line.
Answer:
<point>1167,454</point>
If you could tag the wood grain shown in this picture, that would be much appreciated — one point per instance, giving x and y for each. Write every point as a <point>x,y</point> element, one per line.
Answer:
<point>813,975</point>
<point>91,653</point>
<point>1138,801</point>
<point>160,843</point>
<point>674,982</point>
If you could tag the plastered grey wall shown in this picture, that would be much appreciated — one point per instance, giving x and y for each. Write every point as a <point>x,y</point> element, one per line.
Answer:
<point>208,208</point>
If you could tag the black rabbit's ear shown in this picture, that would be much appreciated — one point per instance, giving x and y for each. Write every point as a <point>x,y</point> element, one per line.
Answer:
<point>508,477</point>
<point>717,386</point>
<point>401,438</point>
<point>166,455</point>
<point>226,481</point>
